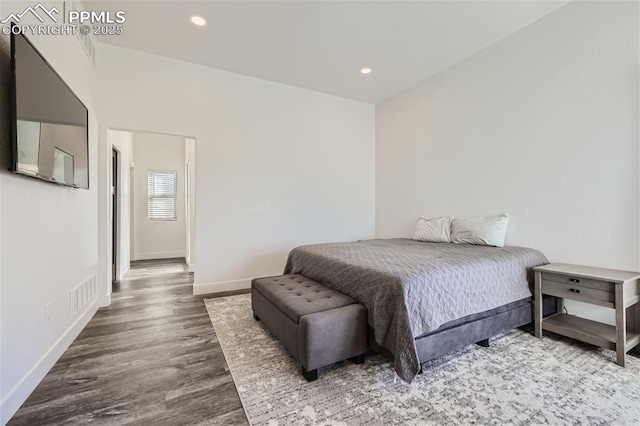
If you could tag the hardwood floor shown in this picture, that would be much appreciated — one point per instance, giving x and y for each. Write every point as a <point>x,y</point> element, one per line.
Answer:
<point>151,357</point>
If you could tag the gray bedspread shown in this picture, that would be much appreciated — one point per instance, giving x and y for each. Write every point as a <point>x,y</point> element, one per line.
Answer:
<point>411,288</point>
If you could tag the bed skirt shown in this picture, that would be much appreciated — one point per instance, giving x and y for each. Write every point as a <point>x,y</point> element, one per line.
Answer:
<point>474,328</point>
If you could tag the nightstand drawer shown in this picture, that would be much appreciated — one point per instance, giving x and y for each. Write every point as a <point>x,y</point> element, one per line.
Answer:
<point>578,292</point>
<point>578,281</point>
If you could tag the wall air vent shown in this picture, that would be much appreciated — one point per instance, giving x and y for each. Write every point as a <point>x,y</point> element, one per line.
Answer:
<point>86,40</point>
<point>82,295</point>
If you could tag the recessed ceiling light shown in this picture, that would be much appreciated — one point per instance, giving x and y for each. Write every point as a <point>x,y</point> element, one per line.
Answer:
<point>198,20</point>
<point>365,71</point>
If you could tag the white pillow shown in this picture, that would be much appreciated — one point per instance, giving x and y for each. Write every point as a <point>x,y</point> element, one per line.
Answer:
<point>433,229</point>
<point>482,230</point>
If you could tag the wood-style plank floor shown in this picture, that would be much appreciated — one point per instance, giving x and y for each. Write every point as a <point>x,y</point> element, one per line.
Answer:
<point>151,357</point>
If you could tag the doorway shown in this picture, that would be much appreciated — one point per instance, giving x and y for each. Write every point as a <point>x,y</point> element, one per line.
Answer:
<point>114,215</point>
<point>152,201</point>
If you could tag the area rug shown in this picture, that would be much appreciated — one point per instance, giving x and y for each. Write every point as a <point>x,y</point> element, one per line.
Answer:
<point>519,379</point>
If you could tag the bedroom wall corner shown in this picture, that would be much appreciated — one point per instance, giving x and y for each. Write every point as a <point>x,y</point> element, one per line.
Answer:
<point>542,125</point>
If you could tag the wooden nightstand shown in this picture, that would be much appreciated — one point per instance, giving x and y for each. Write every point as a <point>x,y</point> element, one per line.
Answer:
<point>619,290</point>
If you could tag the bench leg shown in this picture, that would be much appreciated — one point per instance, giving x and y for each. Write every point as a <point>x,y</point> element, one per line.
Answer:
<point>310,375</point>
<point>484,343</point>
<point>358,359</point>
<point>255,317</point>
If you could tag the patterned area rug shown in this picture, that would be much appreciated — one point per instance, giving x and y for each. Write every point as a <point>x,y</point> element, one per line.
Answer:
<point>518,380</point>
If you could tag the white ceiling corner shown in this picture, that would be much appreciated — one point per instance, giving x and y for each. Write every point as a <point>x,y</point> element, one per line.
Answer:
<point>322,45</point>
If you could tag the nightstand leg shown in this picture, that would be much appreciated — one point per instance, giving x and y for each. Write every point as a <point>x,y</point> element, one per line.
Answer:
<point>621,325</point>
<point>538,303</point>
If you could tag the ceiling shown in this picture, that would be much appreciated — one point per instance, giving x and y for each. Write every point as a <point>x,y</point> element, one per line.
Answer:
<point>322,45</point>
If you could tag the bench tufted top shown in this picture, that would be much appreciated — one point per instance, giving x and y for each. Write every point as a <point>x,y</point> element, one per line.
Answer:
<point>296,295</point>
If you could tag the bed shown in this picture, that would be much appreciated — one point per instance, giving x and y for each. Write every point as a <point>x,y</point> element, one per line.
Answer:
<point>426,299</point>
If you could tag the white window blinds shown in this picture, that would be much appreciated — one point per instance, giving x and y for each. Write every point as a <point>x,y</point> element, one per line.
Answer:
<point>163,195</point>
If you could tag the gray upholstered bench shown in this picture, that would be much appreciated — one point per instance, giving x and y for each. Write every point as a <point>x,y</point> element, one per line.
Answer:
<point>317,325</point>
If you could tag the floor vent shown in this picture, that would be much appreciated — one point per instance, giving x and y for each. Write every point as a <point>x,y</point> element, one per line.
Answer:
<point>86,40</point>
<point>82,295</point>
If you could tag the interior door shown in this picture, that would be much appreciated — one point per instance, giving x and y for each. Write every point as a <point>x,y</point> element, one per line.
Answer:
<point>114,214</point>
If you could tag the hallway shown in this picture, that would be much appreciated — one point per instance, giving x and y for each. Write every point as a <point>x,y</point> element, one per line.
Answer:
<point>151,357</point>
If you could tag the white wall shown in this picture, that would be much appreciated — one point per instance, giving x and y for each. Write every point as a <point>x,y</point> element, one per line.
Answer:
<point>123,143</point>
<point>158,239</point>
<point>49,242</point>
<point>278,166</point>
<point>542,125</point>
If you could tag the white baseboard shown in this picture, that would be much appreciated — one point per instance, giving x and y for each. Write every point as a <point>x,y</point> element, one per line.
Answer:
<point>124,270</point>
<point>104,300</point>
<point>159,255</point>
<point>21,391</point>
<point>221,286</point>
<point>192,267</point>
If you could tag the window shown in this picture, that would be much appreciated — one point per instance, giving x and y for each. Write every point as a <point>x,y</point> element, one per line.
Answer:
<point>163,195</point>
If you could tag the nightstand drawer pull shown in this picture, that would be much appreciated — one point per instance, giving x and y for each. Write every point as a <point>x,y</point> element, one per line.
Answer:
<point>574,280</point>
<point>574,290</point>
